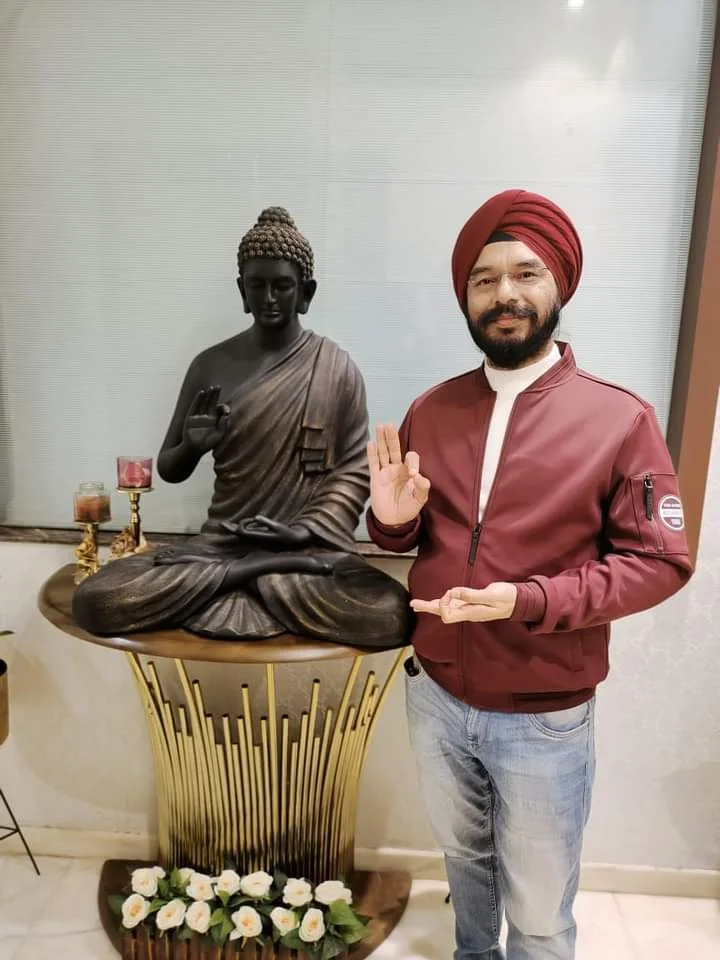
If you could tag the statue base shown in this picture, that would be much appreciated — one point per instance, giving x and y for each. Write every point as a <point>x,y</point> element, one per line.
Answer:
<point>381,896</point>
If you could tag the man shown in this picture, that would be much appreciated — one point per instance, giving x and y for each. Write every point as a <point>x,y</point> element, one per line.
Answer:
<point>544,504</point>
<point>283,412</point>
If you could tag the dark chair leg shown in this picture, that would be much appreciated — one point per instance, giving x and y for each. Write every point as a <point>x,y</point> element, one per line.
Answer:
<point>19,832</point>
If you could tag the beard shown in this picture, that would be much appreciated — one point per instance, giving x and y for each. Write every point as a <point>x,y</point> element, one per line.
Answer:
<point>510,350</point>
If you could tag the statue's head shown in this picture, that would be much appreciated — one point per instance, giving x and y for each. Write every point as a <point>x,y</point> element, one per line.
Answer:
<point>275,266</point>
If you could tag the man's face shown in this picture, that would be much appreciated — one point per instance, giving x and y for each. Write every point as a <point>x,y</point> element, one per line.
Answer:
<point>512,304</point>
<point>273,292</point>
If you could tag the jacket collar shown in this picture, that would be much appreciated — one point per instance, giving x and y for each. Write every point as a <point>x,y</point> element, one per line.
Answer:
<point>559,373</point>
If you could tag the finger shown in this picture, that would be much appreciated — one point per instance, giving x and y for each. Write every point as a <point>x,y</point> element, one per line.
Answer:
<point>382,447</point>
<point>197,404</point>
<point>392,438</point>
<point>426,606</point>
<point>222,412</point>
<point>468,595</point>
<point>412,462</point>
<point>373,459</point>
<point>211,399</point>
<point>420,489</point>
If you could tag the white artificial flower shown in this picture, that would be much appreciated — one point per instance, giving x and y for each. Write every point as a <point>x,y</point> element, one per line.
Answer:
<point>200,887</point>
<point>228,882</point>
<point>159,873</point>
<point>284,920</point>
<point>248,923</point>
<point>256,884</point>
<point>312,926</point>
<point>198,916</point>
<point>171,915</point>
<point>134,910</point>
<point>145,881</point>
<point>332,890</point>
<point>297,892</point>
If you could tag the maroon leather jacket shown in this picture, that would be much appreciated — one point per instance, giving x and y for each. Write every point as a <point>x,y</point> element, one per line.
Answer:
<point>584,516</point>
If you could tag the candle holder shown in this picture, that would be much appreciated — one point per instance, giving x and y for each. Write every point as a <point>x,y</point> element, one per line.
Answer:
<point>91,508</point>
<point>86,553</point>
<point>130,540</point>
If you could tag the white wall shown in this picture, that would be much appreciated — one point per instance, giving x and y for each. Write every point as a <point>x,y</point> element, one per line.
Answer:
<point>77,756</point>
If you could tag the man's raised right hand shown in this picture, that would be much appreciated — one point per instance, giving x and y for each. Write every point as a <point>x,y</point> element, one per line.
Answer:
<point>398,491</point>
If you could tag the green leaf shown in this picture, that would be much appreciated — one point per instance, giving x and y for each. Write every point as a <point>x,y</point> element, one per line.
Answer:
<point>176,881</point>
<point>280,879</point>
<point>354,936</point>
<point>332,947</point>
<point>217,934</point>
<point>343,915</point>
<point>293,941</point>
<point>217,917</point>
<point>224,896</point>
<point>185,934</point>
<point>156,904</point>
<point>164,888</point>
<point>116,901</point>
<point>227,928</point>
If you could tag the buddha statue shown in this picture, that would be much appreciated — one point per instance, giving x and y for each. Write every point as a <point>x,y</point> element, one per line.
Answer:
<point>283,412</point>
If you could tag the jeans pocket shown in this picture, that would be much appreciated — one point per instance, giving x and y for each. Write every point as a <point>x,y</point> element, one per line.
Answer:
<point>560,724</point>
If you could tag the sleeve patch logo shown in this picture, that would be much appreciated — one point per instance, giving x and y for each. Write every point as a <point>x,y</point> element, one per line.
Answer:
<point>671,513</point>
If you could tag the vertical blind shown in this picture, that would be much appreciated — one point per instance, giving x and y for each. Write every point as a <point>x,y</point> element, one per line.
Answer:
<point>141,139</point>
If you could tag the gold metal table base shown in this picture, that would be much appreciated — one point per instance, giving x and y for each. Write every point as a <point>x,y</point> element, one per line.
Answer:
<point>251,786</point>
<point>277,800</point>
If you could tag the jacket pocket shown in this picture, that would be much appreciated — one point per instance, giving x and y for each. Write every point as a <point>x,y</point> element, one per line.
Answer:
<point>658,513</point>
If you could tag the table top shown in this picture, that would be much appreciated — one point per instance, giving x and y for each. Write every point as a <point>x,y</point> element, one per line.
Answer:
<point>55,603</point>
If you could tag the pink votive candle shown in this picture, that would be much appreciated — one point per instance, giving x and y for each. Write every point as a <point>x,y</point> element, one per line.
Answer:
<point>134,473</point>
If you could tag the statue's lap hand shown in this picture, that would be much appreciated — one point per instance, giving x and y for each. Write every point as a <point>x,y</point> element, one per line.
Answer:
<point>168,556</point>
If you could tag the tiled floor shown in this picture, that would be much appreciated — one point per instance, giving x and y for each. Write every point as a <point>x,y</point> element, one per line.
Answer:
<point>54,917</point>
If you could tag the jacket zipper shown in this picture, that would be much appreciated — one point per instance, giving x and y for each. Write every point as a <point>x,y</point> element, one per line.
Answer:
<point>474,541</point>
<point>649,488</point>
<point>649,501</point>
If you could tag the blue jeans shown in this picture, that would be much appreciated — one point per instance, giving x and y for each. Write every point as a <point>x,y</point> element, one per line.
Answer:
<point>508,797</point>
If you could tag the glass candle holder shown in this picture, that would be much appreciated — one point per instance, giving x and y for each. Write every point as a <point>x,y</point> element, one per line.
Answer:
<point>134,473</point>
<point>92,503</point>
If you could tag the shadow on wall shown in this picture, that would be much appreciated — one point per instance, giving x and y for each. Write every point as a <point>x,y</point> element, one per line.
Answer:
<point>6,493</point>
<point>692,798</point>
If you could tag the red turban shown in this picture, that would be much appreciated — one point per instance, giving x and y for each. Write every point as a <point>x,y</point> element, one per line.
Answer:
<point>528,217</point>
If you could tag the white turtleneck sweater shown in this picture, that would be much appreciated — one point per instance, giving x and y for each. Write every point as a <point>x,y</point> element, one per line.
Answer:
<point>507,384</point>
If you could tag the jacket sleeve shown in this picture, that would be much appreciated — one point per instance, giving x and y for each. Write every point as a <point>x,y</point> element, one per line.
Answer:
<point>647,558</point>
<point>398,539</point>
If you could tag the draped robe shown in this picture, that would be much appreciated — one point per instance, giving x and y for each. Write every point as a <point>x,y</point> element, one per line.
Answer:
<point>294,451</point>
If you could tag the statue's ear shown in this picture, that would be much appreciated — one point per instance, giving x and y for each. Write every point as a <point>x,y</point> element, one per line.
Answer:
<point>307,293</point>
<point>241,288</point>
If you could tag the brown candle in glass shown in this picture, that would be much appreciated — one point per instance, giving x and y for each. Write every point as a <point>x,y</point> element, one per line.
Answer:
<point>92,503</point>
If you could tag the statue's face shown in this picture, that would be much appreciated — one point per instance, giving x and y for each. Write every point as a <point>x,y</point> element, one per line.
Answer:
<point>273,292</point>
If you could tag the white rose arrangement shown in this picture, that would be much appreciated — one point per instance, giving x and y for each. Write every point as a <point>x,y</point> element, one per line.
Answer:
<point>255,907</point>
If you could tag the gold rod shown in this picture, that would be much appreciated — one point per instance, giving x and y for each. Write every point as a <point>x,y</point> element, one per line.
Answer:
<point>284,849</point>
<point>292,818</point>
<point>269,840</point>
<point>248,810</point>
<point>274,758</point>
<point>249,734</point>
<point>232,785</point>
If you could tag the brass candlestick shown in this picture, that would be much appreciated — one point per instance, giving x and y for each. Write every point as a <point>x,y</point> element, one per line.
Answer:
<point>131,540</point>
<point>86,553</point>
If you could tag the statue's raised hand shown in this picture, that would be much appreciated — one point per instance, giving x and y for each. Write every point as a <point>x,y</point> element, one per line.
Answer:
<point>206,421</point>
<point>398,491</point>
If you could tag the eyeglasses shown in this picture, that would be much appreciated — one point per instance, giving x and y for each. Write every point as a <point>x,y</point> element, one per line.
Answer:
<point>526,278</point>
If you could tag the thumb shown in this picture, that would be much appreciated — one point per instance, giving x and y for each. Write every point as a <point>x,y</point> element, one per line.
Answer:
<point>420,488</point>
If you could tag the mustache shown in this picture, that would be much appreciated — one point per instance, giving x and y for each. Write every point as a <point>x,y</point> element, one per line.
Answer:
<point>507,310</point>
